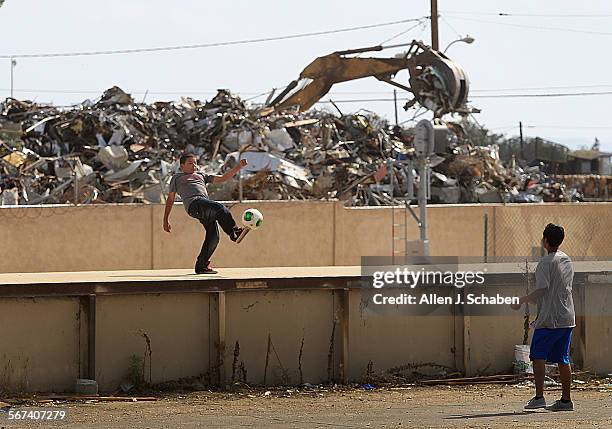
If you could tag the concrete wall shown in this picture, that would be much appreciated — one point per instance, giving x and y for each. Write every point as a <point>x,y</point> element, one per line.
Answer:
<point>177,326</point>
<point>116,237</point>
<point>39,344</point>
<point>42,346</point>
<point>40,239</point>
<point>285,318</point>
<point>294,234</point>
<point>393,340</point>
<point>598,323</point>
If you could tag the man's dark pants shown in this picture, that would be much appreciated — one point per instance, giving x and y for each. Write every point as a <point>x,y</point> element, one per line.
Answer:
<point>209,213</point>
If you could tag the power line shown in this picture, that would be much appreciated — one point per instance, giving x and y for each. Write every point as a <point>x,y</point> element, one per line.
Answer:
<point>568,127</point>
<point>257,96</point>
<point>586,127</point>
<point>211,45</point>
<point>401,33</point>
<point>536,27</point>
<point>527,15</point>
<point>559,94</point>
<point>502,128</point>
<point>137,92</point>
<point>261,93</point>
<point>532,88</point>
<point>568,94</point>
<point>450,26</point>
<point>541,88</point>
<point>424,27</point>
<point>361,100</point>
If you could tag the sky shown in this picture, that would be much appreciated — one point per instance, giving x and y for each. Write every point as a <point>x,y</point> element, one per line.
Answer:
<point>558,45</point>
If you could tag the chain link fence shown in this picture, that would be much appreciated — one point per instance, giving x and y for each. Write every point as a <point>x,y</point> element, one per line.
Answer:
<point>514,233</point>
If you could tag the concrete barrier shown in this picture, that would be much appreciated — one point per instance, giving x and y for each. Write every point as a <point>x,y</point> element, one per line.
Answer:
<point>295,233</point>
<point>39,344</point>
<point>265,326</point>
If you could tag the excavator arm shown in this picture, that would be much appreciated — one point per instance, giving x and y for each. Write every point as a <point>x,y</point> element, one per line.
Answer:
<point>436,82</point>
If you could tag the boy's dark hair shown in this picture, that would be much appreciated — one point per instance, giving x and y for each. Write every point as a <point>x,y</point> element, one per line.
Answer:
<point>184,157</point>
<point>554,234</point>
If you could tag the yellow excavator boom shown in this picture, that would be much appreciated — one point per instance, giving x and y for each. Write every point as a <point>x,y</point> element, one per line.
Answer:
<point>437,83</point>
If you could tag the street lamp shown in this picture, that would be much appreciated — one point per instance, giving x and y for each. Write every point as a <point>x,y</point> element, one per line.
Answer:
<point>467,39</point>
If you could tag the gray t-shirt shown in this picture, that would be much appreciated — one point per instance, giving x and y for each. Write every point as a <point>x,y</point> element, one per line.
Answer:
<point>190,186</point>
<point>555,274</point>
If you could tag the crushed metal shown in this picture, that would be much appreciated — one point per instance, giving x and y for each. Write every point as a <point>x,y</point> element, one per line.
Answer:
<point>117,150</point>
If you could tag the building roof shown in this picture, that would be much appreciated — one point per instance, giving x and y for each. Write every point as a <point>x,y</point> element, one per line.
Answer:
<point>589,154</point>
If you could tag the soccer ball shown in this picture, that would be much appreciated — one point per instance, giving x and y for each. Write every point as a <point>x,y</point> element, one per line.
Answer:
<point>252,218</point>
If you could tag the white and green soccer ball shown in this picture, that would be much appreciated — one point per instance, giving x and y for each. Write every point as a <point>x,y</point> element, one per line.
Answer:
<point>252,218</point>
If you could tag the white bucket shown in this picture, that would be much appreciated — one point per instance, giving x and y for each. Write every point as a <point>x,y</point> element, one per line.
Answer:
<point>521,358</point>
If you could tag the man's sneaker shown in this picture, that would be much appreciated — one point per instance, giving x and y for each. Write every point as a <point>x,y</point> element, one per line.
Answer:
<point>561,406</point>
<point>235,233</point>
<point>207,270</point>
<point>535,403</point>
<point>240,233</point>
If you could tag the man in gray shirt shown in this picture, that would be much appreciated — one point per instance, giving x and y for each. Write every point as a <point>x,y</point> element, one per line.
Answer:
<point>555,321</point>
<point>190,184</point>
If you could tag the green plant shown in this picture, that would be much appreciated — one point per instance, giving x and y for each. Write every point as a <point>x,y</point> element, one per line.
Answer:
<point>520,367</point>
<point>136,370</point>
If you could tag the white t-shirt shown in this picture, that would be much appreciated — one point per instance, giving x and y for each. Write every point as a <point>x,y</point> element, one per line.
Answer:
<point>555,274</point>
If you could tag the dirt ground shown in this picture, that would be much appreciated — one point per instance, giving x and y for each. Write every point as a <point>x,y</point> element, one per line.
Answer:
<point>481,406</point>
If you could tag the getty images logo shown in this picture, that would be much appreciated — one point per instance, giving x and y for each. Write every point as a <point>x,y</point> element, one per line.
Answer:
<point>409,278</point>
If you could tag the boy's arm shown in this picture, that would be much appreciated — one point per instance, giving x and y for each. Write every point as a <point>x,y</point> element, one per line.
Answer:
<point>532,297</point>
<point>542,282</point>
<point>227,176</point>
<point>169,204</point>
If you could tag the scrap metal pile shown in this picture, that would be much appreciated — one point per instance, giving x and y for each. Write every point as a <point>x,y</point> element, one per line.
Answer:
<point>592,187</point>
<point>117,150</point>
<point>476,174</point>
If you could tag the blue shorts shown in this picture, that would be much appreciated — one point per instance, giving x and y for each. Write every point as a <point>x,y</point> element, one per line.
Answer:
<point>551,344</point>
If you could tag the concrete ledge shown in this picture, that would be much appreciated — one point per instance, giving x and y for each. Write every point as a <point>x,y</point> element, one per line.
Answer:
<point>266,325</point>
<point>174,281</point>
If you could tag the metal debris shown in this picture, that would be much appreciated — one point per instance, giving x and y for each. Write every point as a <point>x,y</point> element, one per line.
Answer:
<point>117,150</point>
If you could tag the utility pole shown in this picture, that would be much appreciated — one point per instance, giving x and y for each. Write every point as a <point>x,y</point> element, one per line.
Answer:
<point>395,106</point>
<point>434,25</point>
<point>422,199</point>
<point>13,64</point>
<point>521,136</point>
<point>424,145</point>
